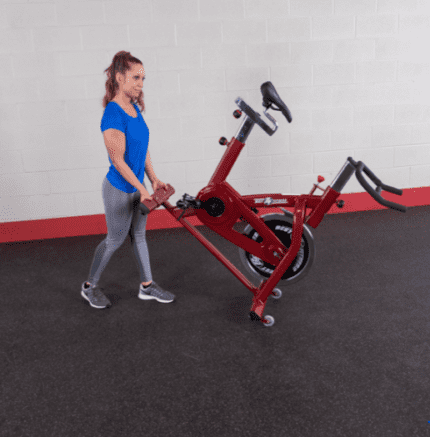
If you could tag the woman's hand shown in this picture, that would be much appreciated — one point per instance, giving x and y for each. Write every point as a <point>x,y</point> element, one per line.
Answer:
<point>144,194</point>
<point>156,184</point>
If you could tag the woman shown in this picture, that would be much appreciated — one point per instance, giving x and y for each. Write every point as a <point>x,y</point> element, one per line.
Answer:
<point>126,138</point>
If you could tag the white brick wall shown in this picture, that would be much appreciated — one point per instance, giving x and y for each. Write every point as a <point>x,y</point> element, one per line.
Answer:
<point>354,74</point>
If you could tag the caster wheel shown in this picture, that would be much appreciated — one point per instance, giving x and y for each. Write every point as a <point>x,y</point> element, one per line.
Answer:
<point>276,293</point>
<point>268,321</point>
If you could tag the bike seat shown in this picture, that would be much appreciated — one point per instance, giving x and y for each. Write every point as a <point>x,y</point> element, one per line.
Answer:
<point>270,97</point>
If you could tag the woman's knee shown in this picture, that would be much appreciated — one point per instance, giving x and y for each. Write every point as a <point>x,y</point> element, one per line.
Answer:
<point>115,241</point>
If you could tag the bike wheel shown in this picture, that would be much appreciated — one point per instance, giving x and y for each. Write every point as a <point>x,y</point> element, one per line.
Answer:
<point>282,227</point>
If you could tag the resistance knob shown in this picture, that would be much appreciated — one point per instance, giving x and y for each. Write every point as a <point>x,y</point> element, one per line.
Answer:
<point>237,113</point>
<point>223,141</point>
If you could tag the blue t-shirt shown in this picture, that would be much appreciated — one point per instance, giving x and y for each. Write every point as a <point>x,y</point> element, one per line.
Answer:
<point>136,143</point>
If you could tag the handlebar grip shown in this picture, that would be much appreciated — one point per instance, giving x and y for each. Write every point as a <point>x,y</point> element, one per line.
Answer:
<point>392,189</point>
<point>360,167</point>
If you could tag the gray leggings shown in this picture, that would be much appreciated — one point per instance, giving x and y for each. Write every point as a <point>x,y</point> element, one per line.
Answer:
<point>122,218</point>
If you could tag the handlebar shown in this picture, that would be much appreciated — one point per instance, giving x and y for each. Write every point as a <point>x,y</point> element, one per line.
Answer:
<point>359,167</point>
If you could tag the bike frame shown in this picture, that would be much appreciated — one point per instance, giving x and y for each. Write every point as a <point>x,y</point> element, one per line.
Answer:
<point>236,207</point>
<point>219,206</point>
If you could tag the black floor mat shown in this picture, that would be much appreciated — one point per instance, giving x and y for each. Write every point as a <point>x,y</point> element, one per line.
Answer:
<point>348,355</point>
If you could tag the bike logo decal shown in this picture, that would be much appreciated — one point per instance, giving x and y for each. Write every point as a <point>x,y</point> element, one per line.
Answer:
<point>269,201</point>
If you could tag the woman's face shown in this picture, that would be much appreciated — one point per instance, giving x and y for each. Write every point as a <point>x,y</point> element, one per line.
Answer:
<point>131,86</point>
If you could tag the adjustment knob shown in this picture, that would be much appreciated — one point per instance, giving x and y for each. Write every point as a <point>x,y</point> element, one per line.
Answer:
<point>223,141</point>
<point>237,113</point>
<point>320,179</point>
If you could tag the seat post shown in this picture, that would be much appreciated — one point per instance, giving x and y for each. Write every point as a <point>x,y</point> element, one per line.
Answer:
<point>244,129</point>
<point>227,161</point>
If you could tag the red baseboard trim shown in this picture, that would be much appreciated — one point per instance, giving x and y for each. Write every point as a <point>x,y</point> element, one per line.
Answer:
<point>161,219</point>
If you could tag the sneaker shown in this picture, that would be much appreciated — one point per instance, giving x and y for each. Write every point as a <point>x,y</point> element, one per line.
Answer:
<point>154,291</point>
<point>95,296</point>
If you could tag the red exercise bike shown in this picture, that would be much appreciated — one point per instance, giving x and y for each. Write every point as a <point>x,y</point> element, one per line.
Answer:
<point>273,247</point>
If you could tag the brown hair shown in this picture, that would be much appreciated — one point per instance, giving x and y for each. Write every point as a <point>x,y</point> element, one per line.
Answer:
<point>120,64</point>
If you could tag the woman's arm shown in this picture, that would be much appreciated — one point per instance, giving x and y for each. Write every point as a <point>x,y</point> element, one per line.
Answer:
<point>148,168</point>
